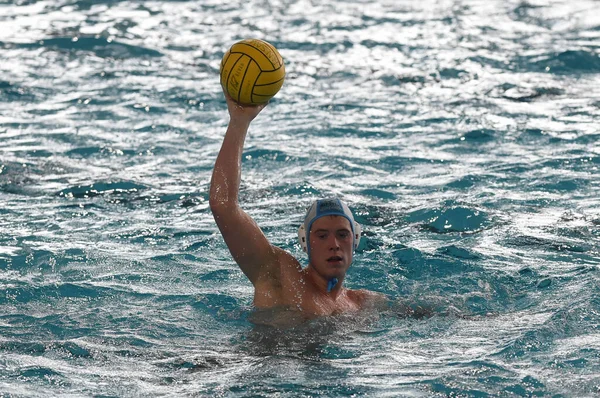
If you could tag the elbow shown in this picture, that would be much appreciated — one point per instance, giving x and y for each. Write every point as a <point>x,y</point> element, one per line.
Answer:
<point>221,198</point>
<point>222,211</point>
<point>215,196</point>
<point>218,209</point>
<point>220,205</point>
<point>216,203</point>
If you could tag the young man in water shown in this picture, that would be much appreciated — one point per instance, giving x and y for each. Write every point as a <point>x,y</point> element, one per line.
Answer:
<point>329,235</point>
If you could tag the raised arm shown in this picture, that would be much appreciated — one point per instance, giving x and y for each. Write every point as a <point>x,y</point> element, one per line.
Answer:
<point>245,240</point>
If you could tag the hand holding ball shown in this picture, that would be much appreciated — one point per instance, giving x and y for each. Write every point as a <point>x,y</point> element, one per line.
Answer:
<point>252,72</point>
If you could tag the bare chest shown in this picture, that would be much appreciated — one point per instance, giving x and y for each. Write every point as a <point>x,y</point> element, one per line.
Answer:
<point>297,294</point>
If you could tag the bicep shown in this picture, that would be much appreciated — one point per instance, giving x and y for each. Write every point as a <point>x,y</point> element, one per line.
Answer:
<point>247,243</point>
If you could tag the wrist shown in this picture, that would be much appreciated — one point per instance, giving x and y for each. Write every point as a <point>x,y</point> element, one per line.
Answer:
<point>239,123</point>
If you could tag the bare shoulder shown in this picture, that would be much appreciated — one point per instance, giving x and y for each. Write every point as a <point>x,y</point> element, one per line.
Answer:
<point>286,262</point>
<point>367,298</point>
<point>279,274</point>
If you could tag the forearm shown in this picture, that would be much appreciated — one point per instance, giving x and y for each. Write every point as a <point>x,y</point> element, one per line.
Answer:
<point>225,182</point>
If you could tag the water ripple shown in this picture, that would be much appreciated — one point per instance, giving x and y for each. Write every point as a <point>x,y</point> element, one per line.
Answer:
<point>463,134</point>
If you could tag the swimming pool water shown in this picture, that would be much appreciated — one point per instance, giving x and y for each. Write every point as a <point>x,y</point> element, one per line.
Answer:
<point>464,135</point>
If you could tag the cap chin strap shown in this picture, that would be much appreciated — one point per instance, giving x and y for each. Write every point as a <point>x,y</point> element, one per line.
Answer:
<point>331,284</point>
<point>303,236</point>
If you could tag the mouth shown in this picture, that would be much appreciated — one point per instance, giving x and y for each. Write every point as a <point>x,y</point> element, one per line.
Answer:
<point>335,259</point>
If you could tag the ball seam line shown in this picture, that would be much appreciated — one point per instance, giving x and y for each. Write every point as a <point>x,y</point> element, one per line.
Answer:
<point>223,63</point>
<point>268,84</point>
<point>257,49</point>
<point>242,81</point>
<point>229,74</point>
<point>255,80</point>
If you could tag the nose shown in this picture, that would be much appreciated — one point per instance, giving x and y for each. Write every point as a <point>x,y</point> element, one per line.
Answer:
<point>334,244</point>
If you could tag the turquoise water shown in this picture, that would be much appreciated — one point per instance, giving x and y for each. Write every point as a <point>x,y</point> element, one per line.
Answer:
<point>464,134</point>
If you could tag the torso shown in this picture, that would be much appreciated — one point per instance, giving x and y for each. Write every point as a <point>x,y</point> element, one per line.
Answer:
<point>290,288</point>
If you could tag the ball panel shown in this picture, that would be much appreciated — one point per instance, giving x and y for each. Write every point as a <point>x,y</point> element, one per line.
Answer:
<point>247,83</point>
<point>271,76</point>
<point>260,58</point>
<point>270,51</point>
<point>227,65</point>
<point>274,51</point>
<point>260,99</point>
<point>236,74</point>
<point>225,58</point>
<point>268,89</point>
<point>264,48</point>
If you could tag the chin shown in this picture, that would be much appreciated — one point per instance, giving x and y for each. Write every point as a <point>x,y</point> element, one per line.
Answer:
<point>337,270</point>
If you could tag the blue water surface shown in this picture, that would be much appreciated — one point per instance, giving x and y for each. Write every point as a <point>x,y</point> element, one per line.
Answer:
<point>464,134</point>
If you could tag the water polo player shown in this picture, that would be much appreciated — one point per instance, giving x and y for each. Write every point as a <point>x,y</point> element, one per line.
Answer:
<point>329,235</point>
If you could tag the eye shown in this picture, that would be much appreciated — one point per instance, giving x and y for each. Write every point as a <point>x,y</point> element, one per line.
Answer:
<point>343,234</point>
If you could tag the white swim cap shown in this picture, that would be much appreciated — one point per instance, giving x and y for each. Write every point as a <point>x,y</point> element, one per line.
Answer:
<point>327,207</point>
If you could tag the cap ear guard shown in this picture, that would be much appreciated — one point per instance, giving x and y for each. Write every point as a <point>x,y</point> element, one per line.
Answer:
<point>302,236</point>
<point>357,233</point>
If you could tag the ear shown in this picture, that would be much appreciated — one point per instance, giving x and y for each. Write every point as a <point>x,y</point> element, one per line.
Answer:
<point>302,238</point>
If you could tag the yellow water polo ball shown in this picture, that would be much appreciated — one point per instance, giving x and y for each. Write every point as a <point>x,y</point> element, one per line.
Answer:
<point>252,71</point>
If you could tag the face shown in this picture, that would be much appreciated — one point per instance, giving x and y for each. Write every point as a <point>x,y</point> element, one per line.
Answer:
<point>331,246</point>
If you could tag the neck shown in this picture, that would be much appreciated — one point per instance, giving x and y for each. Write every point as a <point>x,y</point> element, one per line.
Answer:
<point>323,285</point>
